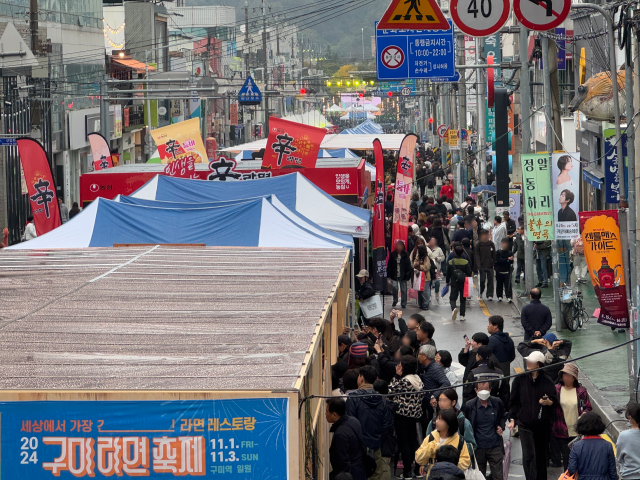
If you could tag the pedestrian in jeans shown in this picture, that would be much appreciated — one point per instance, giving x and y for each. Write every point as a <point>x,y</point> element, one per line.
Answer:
<point>400,272</point>
<point>518,251</point>
<point>579,263</point>
<point>502,265</point>
<point>457,270</point>
<point>422,263</point>
<point>543,250</point>
<point>485,253</point>
<point>487,416</point>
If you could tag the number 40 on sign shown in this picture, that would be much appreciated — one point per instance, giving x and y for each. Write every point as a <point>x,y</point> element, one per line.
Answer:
<point>480,18</point>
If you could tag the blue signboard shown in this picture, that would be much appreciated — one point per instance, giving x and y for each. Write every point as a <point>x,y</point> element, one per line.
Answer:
<point>611,173</point>
<point>561,43</point>
<point>249,94</point>
<point>8,142</point>
<point>240,438</point>
<point>402,54</point>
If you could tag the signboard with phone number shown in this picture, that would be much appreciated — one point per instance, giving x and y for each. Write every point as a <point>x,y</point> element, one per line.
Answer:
<point>242,438</point>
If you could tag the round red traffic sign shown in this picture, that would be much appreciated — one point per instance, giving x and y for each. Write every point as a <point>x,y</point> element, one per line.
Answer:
<point>392,57</point>
<point>491,89</point>
<point>442,130</point>
<point>541,15</point>
<point>480,17</point>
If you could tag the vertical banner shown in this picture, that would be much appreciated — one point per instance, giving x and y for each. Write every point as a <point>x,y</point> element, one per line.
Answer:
<point>379,251</point>
<point>561,44</point>
<point>537,197</point>
<point>514,204</point>
<point>404,182</point>
<point>611,173</point>
<point>100,151</point>
<point>292,145</point>
<point>565,169</point>
<point>40,185</point>
<point>603,252</point>
<point>180,140</point>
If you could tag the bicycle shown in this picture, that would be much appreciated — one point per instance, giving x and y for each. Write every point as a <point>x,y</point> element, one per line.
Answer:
<point>575,314</point>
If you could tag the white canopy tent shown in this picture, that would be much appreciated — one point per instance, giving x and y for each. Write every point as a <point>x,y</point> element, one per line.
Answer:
<point>334,141</point>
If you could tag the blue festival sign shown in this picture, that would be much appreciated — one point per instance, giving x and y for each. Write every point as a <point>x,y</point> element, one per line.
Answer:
<point>240,438</point>
<point>402,54</point>
<point>611,173</point>
<point>249,94</point>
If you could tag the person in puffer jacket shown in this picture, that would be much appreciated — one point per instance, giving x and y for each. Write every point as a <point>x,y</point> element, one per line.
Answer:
<point>446,467</point>
<point>408,409</point>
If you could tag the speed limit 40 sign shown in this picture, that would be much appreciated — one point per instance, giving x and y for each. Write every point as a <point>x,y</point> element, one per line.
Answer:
<point>541,15</point>
<point>480,18</point>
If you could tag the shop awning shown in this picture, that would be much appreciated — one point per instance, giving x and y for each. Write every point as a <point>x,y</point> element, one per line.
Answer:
<point>593,177</point>
<point>140,67</point>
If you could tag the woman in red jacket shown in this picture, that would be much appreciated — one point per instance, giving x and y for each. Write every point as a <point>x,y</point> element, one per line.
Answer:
<point>447,190</point>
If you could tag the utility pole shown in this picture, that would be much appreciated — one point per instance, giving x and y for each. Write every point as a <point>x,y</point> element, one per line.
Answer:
<point>33,20</point>
<point>525,125</point>
<point>462,99</point>
<point>265,74</point>
<point>636,139</point>
<point>247,48</point>
<point>104,108</point>
<point>554,242</point>
<point>480,101</point>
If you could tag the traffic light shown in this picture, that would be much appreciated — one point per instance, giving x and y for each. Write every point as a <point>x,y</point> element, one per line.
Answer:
<point>361,95</point>
<point>303,91</point>
<point>430,121</point>
<point>390,94</point>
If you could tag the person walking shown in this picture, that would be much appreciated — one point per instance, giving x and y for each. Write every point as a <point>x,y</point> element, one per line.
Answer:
<point>487,416</point>
<point>533,397</point>
<point>458,269</point>
<point>501,344</point>
<point>437,257</point>
<point>422,263</point>
<point>75,209</point>
<point>346,450</point>
<point>629,445</point>
<point>446,433</point>
<point>408,410</point>
<point>448,399</point>
<point>579,262</point>
<point>535,317</point>
<point>518,251</point>
<point>573,402</point>
<point>499,231</point>
<point>543,250</point>
<point>30,230</point>
<point>64,211</point>
<point>400,272</point>
<point>592,458</point>
<point>485,252</point>
<point>502,265</point>
<point>375,418</point>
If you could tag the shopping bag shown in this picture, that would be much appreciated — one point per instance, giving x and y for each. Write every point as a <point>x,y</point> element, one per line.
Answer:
<point>371,307</point>
<point>418,281</point>
<point>473,472</point>
<point>468,287</point>
<point>566,476</point>
<point>412,294</point>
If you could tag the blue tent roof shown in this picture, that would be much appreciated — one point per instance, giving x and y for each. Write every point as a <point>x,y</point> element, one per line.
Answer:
<point>366,127</point>
<point>341,153</point>
<point>254,223</point>
<point>293,190</point>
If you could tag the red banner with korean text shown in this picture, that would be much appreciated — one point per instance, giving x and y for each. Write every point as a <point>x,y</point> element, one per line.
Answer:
<point>40,185</point>
<point>379,253</point>
<point>404,183</point>
<point>184,168</point>
<point>100,151</point>
<point>603,253</point>
<point>292,145</point>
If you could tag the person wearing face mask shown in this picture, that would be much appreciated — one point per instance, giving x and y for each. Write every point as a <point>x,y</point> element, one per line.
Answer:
<point>487,416</point>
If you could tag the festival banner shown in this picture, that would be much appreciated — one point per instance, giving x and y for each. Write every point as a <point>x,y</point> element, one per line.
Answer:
<point>603,252</point>
<point>566,176</point>
<point>611,173</point>
<point>379,250</point>
<point>537,197</point>
<point>180,140</point>
<point>404,182</point>
<point>40,185</point>
<point>514,205</point>
<point>292,145</point>
<point>237,438</point>
<point>100,151</point>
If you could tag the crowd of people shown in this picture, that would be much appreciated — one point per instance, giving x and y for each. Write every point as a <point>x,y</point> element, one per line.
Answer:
<point>399,410</point>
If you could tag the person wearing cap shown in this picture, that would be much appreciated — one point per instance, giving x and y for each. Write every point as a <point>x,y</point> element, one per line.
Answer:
<point>489,370</point>
<point>365,289</point>
<point>532,402</point>
<point>535,317</point>
<point>358,355</point>
<point>573,402</point>
<point>554,350</point>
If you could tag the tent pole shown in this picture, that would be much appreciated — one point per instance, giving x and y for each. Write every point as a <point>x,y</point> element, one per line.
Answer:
<point>352,321</point>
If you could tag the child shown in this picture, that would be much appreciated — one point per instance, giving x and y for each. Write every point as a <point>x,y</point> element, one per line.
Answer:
<point>502,266</point>
<point>518,252</point>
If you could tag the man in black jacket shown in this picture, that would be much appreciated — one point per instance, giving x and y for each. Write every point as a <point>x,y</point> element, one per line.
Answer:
<point>347,449</point>
<point>486,369</point>
<point>502,265</point>
<point>535,317</point>
<point>374,415</point>
<point>364,288</point>
<point>533,399</point>
<point>487,416</point>
<point>400,270</point>
<point>467,355</point>
<point>485,253</point>
<point>431,372</point>
<point>501,344</point>
<point>511,227</point>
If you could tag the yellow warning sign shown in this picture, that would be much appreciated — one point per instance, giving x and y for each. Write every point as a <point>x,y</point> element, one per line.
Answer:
<point>453,138</point>
<point>413,14</point>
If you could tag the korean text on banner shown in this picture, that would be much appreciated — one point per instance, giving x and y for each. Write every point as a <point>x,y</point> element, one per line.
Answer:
<point>180,140</point>
<point>40,185</point>
<point>404,183</point>
<point>292,145</point>
<point>514,204</point>
<point>379,250</point>
<point>537,197</point>
<point>242,438</point>
<point>611,173</point>
<point>566,194</point>
<point>603,252</point>
<point>100,151</point>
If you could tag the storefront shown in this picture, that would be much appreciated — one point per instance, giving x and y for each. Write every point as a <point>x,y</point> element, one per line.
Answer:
<point>591,147</point>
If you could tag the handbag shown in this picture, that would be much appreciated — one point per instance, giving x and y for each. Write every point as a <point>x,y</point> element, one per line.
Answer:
<point>418,281</point>
<point>371,307</point>
<point>473,472</point>
<point>566,476</point>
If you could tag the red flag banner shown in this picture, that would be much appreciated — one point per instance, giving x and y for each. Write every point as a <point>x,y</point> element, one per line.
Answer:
<point>603,253</point>
<point>40,185</point>
<point>404,182</point>
<point>100,151</point>
<point>292,145</point>
<point>379,253</point>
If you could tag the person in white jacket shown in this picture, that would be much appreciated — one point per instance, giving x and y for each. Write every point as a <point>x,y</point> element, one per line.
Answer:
<point>30,230</point>
<point>437,255</point>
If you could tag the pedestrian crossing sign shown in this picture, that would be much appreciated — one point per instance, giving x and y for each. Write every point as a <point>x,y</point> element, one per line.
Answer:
<point>413,15</point>
<point>249,93</point>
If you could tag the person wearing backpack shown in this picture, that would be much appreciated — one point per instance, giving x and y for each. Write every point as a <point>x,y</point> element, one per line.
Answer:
<point>458,269</point>
<point>446,433</point>
<point>448,399</point>
<point>485,253</point>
